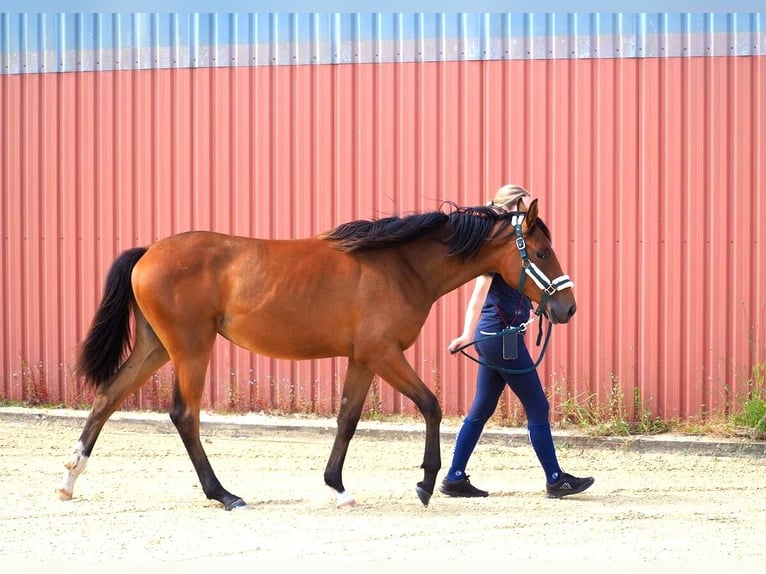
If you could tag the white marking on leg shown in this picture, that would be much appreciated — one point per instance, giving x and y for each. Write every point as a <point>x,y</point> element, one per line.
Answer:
<point>345,500</point>
<point>75,467</point>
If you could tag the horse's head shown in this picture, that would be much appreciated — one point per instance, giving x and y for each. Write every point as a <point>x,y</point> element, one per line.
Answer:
<point>533,265</point>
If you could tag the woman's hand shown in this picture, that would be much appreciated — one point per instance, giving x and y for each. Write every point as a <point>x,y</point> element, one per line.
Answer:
<point>458,342</point>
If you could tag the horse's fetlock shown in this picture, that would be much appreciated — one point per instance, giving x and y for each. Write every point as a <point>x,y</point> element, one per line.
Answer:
<point>76,463</point>
<point>77,460</point>
<point>75,467</point>
<point>333,481</point>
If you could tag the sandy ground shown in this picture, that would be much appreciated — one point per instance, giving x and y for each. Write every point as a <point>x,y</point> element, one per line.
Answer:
<point>665,499</point>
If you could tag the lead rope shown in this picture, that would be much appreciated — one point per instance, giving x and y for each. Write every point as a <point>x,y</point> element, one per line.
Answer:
<point>509,332</point>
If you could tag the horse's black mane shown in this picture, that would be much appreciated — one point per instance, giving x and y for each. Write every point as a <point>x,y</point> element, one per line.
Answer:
<point>466,229</point>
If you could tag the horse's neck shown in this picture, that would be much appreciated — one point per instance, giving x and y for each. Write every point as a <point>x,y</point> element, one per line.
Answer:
<point>440,273</point>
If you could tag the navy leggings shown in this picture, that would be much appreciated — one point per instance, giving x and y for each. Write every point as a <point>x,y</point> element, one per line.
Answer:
<point>489,386</point>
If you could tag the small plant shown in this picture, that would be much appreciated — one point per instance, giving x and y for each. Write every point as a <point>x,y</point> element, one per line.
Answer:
<point>234,398</point>
<point>614,418</point>
<point>576,412</point>
<point>375,401</point>
<point>509,412</point>
<point>753,414</point>
<point>159,391</point>
<point>34,389</point>
<point>644,422</point>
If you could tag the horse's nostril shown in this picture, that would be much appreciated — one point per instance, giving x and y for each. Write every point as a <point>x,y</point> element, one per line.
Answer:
<point>572,310</point>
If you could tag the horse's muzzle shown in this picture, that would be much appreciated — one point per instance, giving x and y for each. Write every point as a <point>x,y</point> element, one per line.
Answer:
<point>560,311</point>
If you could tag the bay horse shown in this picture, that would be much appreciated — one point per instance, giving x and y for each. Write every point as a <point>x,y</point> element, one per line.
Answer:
<point>362,290</point>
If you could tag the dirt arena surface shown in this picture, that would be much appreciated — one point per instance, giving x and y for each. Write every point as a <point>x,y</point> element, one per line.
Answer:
<point>668,499</point>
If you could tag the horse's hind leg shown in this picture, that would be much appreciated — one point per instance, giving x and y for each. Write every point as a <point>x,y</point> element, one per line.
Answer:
<point>187,394</point>
<point>355,388</point>
<point>148,355</point>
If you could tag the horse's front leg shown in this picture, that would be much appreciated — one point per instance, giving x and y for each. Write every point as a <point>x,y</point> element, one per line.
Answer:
<point>394,368</point>
<point>355,388</point>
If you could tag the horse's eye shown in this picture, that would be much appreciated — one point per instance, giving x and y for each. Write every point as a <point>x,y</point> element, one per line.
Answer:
<point>542,253</point>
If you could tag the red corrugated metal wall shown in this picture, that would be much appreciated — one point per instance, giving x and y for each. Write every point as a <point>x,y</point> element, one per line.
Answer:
<point>649,170</point>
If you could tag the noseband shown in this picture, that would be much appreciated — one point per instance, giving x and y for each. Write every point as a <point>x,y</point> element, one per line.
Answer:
<point>547,286</point>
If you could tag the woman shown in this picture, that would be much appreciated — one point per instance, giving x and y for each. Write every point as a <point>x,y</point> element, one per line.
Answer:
<point>493,306</point>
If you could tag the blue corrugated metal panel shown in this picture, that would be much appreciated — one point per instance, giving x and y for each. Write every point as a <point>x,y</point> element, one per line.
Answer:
<point>64,42</point>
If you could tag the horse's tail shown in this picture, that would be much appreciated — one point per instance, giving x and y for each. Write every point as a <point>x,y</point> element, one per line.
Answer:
<point>109,336</point>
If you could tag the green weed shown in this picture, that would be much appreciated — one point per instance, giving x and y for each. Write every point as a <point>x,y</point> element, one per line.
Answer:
<point>752,417</point>
<point>616,418</point>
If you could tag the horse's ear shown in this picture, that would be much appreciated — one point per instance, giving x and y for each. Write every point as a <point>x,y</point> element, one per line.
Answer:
<point>531,216</point>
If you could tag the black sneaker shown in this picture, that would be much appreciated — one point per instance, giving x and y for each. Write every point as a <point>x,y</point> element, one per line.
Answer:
<point>568,485</point>
<point>461,487</point>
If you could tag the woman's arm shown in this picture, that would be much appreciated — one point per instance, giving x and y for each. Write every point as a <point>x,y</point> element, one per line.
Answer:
<point>472,312</point>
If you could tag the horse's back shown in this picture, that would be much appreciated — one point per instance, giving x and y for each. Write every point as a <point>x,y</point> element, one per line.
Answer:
<point>213,264</point>
<point>196,244</point>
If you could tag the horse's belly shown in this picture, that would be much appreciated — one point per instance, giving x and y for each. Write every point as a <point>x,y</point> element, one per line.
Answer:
<point>286,340</point>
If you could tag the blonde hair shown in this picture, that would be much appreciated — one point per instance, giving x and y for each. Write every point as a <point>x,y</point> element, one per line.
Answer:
<point>508,197</point>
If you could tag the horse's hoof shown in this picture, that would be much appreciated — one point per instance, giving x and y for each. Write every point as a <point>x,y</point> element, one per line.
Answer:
<point>238,503</point>
<point>423,494</point>
<point>345,500</point>
<point>64,494</point>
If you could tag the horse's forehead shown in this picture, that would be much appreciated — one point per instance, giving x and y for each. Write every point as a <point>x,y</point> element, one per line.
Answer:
<point>537,235</point>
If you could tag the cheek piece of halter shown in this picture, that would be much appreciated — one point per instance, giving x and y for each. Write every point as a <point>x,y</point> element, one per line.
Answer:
<point>548,287</point>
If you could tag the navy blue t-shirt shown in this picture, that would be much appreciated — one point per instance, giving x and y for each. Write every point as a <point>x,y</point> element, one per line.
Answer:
<point>503,307</point>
